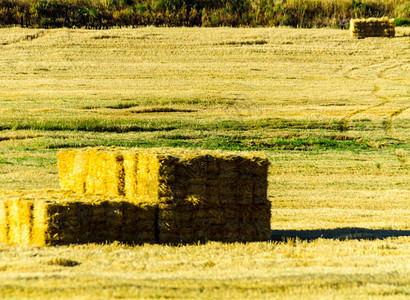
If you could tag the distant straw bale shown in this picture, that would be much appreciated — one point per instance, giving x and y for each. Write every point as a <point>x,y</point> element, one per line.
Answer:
<point>372,27</point>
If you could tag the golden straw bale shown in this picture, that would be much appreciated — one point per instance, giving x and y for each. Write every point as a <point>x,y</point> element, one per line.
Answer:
<point>55,223</point>
<point>105,172</point>
<point>66,165</point>
<point>372,27</point>
<point>14,221</point>
<point>247,233</point>
<point>114,173</point>
<point>4,222</point>
<point>95,178</point>
<point>114,215</point>
<point>147,177</point>
<point>26,220</point>
<point>80,171</point>
<point>130,174</point>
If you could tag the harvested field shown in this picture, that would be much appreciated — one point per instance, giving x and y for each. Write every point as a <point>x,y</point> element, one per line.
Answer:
<point>331,114</point>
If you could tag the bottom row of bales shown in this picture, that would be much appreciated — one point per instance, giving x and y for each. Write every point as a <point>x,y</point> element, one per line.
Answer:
<point>188,223</point>
<point>55,218</point>
<point>60,218</point>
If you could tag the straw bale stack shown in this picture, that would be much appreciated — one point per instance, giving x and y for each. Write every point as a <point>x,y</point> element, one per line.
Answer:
<point>58,217</point>
<point>196,195</point>
<point>372,27</point>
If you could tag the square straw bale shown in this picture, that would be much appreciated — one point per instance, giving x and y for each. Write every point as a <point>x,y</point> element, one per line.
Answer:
<point>66,160</point>
<point>56,223</point>
<point>105,173</point>
<point>4,222</point>
<point>138,223</point>
<point>80,172</point>
<point>147,177</point>
<point>115,217</point>
<point>96,181</point>
<point>130,174</point>
<point>114,173</point>
<point>169,228</point>
<point>14,221</point>
<point>26,220</point>
<point>247,233</point>
<point>228,168</point>
<point>260,191</point>
<point>372,27</point>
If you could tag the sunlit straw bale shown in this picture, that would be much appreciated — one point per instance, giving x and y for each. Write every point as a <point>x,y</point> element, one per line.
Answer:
<point>66,166</point>
<point>14,221</point>
<point>105,173</point>
<point>130,174</point>
<point>372,27</point>
<point>4,223</point>
<point>73,169</point>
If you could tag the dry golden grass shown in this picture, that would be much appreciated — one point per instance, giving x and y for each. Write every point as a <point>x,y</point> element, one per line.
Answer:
<point>330,112</point>
<point>323,269</point>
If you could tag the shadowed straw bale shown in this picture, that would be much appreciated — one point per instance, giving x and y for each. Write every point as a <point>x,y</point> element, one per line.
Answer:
<point>372,27</point>
<point>138,223</point>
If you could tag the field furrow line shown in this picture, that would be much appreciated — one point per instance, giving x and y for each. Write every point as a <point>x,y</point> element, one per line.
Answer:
<point>398,112</point>
<point>27,37</point>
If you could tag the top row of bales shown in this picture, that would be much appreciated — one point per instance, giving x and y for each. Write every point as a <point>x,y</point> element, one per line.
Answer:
<point>166,175</point>
<point>372,27</point>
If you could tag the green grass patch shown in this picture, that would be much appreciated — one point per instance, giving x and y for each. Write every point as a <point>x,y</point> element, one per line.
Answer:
<point>84,124</point>
<point>401,22</point>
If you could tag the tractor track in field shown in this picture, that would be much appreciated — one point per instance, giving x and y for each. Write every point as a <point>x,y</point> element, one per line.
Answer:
<point>399,112</point>
<point>375,92</point>
<point>381,73</point>
<point>376,88</point>
<point>27,37</point>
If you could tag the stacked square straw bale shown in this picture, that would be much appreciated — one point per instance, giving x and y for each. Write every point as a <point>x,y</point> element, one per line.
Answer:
<point>61,217</point>
<point>372,27</point>
<point>139,196</point>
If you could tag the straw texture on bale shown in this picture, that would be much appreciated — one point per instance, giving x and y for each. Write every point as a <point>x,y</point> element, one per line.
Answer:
<point>200,195</point>
<point>58,217</point>
<point>372,27</point>
<point>4,223</point>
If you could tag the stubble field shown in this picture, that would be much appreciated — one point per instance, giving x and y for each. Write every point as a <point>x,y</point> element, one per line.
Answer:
<point>330,112</point>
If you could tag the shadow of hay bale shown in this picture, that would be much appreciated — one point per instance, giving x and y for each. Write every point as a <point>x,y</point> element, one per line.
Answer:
<point>348,233</point>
